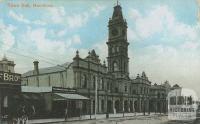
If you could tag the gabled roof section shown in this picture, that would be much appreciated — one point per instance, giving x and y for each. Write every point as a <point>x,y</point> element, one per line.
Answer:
<point>57,68</point>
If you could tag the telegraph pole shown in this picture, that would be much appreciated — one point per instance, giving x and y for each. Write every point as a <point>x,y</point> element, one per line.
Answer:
<point>95,98</point>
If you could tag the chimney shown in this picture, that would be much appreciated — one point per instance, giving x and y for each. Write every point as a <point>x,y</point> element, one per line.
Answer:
<point>36,69</point>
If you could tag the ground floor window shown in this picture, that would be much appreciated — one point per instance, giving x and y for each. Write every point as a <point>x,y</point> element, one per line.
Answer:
<point>102,105</point>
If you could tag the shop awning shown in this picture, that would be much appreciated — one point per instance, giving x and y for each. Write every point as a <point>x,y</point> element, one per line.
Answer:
<point>65,96</point>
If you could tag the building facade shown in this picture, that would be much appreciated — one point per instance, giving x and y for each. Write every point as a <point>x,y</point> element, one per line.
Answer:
<point>10,86</point>
<point>109,87</point>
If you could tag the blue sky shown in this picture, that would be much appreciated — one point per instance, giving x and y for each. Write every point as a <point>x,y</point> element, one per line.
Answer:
<point>163,34</point>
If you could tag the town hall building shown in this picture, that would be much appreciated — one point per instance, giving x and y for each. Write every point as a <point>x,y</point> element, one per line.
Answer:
<point>106,88</point>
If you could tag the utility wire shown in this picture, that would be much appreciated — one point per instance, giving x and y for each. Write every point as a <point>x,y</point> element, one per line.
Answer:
<point>53,62</point>
<point>50,59</point>
<point>40,60</point>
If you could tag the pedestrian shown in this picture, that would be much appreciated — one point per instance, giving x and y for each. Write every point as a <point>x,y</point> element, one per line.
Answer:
<point>33,110</point>
<point>23,118</point>
<point>66,113</point>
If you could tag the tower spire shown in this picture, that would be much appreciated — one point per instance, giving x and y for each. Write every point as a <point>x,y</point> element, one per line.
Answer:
<point>117,2</point>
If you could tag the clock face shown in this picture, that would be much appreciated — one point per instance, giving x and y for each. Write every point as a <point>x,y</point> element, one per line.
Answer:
<point>115,32</point>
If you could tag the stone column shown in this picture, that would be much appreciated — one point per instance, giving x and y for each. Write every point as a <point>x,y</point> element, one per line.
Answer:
<point>140,105</point>
<point>123,106</point>
<point>133,106</point>
<point>129,108</point>
<point>114,106</point>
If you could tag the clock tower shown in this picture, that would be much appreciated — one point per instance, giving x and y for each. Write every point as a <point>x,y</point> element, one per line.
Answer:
<point>118,61</point>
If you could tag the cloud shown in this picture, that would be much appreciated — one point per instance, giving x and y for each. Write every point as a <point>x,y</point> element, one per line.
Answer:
<point>101,49</point>
<point>57,14</point>
<point>39,22</point>
<point>172,52</point>
<point>96,9</point>
<point>19,17</point>
<point>167,63</point>
<point>62,32</point>
<point>75,39</point>
<point>190,45</point>
<point>74,20</point>
<point>7,38</point>
<point>77,20</point>
<point>48,51</point>
<point>157,20</point>
<point>161,23</point>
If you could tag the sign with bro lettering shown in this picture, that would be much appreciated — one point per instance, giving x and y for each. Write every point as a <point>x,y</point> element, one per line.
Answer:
<point>9,77</point>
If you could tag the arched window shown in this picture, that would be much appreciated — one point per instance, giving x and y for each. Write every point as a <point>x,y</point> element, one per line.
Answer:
<point>117,49</point>
<point>84,81</point>
<point>115,66</point>
<point>113,49</point>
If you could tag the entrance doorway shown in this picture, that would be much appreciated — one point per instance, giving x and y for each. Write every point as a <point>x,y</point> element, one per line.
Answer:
<point>109,106</point>
<point>117,105</point>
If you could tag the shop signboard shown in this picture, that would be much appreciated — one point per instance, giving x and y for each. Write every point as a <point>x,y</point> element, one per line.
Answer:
<point>8,77</point>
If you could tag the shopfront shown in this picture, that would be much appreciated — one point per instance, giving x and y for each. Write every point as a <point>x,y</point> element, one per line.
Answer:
<point>10,86</point>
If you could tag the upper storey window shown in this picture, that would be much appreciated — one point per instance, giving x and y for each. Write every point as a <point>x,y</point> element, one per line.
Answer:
<point>117,49</point>
<point>115,66</point>
<point>113,49</point>
<point>94,82</point>
<point>84,81</point>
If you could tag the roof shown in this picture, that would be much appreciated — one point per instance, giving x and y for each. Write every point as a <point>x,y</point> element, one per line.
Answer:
<point>47,70</point>
<point>65,96</point>
<point>176,85</point>
<point>36,89</point>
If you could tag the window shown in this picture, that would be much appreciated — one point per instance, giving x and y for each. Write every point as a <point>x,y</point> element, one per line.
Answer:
<point>189,100</point>
<point>116,90</point>
<point>180,100</point>
<point>102,105</point>
<point>117,49</point>
<point>94,82</point>
<point>124,66</point>
<point>115,66</point>
<point>102,84</point>
<point>158,95</point>
<point>172,100</point>
<point>113,49</point>
<point>125,88</point>
<point>108,86</point>
<point>84,81</point>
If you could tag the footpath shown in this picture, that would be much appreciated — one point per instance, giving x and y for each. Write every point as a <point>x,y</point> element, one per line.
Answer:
<point>92,117</point>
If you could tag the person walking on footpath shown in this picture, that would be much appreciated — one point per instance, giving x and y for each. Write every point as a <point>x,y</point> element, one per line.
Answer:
<point>66,113</point>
